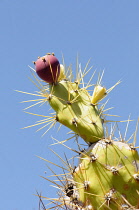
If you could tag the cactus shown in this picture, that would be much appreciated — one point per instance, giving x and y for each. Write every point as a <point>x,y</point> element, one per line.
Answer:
<point>72,104</point>
<point>107,175</point>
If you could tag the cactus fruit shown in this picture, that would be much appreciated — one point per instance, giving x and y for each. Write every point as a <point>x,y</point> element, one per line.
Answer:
<point>107,175</point>
<point>48,68</point>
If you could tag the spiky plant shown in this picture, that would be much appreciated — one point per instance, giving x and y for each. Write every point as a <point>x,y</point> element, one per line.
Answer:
<point>107,175</point>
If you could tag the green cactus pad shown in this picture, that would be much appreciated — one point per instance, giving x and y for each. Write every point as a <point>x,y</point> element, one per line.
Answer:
<point>108,176</point>
<point>74,109</point>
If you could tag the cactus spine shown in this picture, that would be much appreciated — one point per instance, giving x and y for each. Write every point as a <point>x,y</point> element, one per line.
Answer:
<point>107,175</point>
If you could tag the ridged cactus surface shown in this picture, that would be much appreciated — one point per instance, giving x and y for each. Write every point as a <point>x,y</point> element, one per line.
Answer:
<point>74,109</point>
<point>107,175</point>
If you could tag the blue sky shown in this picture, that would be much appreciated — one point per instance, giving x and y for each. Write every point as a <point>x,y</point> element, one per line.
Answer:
<point>105,31</point>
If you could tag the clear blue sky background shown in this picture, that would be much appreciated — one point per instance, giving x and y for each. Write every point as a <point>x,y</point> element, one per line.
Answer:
<point>107,31</point>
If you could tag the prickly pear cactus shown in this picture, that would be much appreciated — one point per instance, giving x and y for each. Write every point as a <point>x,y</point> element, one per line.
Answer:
<point>107,174</point>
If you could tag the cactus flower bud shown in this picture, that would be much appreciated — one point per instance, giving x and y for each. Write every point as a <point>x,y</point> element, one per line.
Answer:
<point>62,73</point>
<point>48,68</point>
<point>98,94</point>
